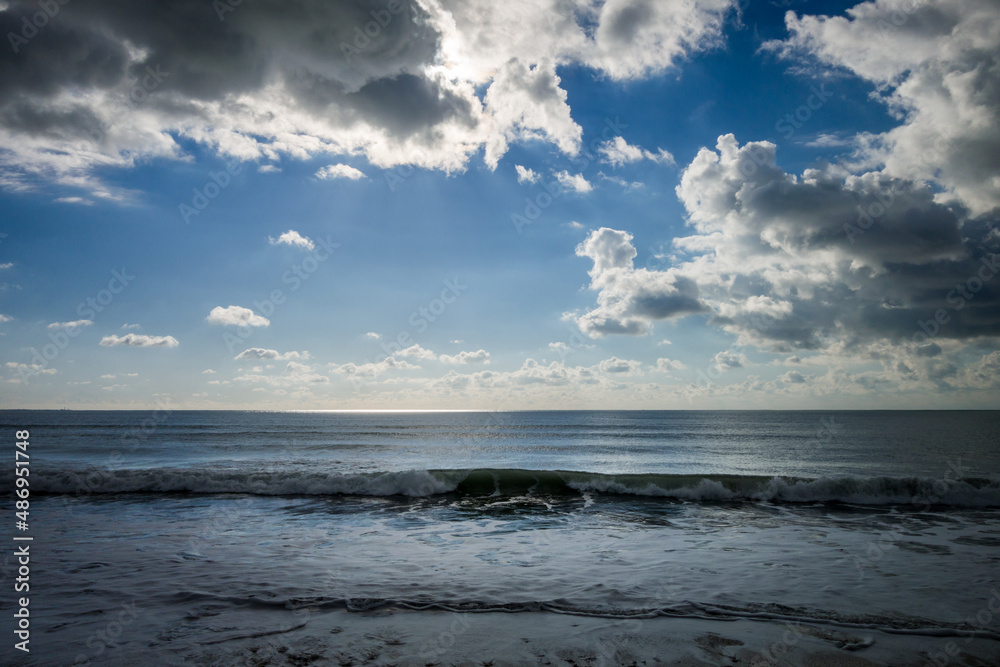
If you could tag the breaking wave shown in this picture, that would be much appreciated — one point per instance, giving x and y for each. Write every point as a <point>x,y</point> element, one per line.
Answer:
<point>879,490</point>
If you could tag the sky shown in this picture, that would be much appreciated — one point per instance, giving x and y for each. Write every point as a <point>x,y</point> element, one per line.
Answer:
<point>558,204</point>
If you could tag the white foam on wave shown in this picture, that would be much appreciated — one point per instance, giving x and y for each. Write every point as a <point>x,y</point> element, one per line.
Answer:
<point>859,490</point>
<point>417,483</point>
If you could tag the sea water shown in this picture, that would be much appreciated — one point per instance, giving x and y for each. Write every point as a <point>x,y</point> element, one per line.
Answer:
<point>163,528</point>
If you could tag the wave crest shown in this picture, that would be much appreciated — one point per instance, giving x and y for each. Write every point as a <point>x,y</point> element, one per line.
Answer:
<point>969,492</point>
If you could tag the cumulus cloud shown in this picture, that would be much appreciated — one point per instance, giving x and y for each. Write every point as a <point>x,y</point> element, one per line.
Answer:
<point>236,316</point>
<point>5,318</point>
<point>666,365</point>
<point>573,182</point>
<point>618,152</point>
<point>289,80</point>
<point>525,175</point>
<point>416,352</point>
<point>334,171</point>
<point>526,102</point>
<point>139,340</point>
<point>629,299</point>
<point>635,38</point>
<point>805,261</point>
<point>292,238</point>
<point>622,366</point>
<point>728,360</point>
<point>934,64</point>
<point>371,335</point>
<point>254,353</point>
<point>477,357</point>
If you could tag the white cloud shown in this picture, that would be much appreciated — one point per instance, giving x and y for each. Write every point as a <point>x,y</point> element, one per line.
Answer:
<point>236,316</point>
<point>638,38</point>
<point>573,224</point>
<point>292,238</point>
<point>629,299</point>
<point>667,365</point>
<point>628,186</point>
<point>525,175</point>
<point>74,200</point>
<point>334,171</point>
<point>263,353</point>
<point>728,360</point>
<point>573,182</point>
<point>208,371</point>
<point>6,265</point>
<point>477,357</point>
<point>793,377</point>
<point>292,92</point>
<point>139,340</point>
<point>416,352</point>
<point>268,169</point>
<point>112,376</point>
<point>297,376</point>
<point>620,366</point>
<point>618,152</point>
<point>933,64</point>
<point>5,318</point>
<point>76,324</point>
<point>373,369</point>
<point>371,335</point>
<point>127,326</point>
<point>526,102</point>
<point>31,369</point>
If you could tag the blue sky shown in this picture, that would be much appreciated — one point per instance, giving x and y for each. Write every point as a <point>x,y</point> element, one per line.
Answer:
<point>703,249</point>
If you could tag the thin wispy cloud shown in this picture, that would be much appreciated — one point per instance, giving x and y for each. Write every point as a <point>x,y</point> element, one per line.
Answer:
<point>139,340</point>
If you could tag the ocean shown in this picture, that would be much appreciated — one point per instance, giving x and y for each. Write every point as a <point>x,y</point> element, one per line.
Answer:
<point>159,537</point>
